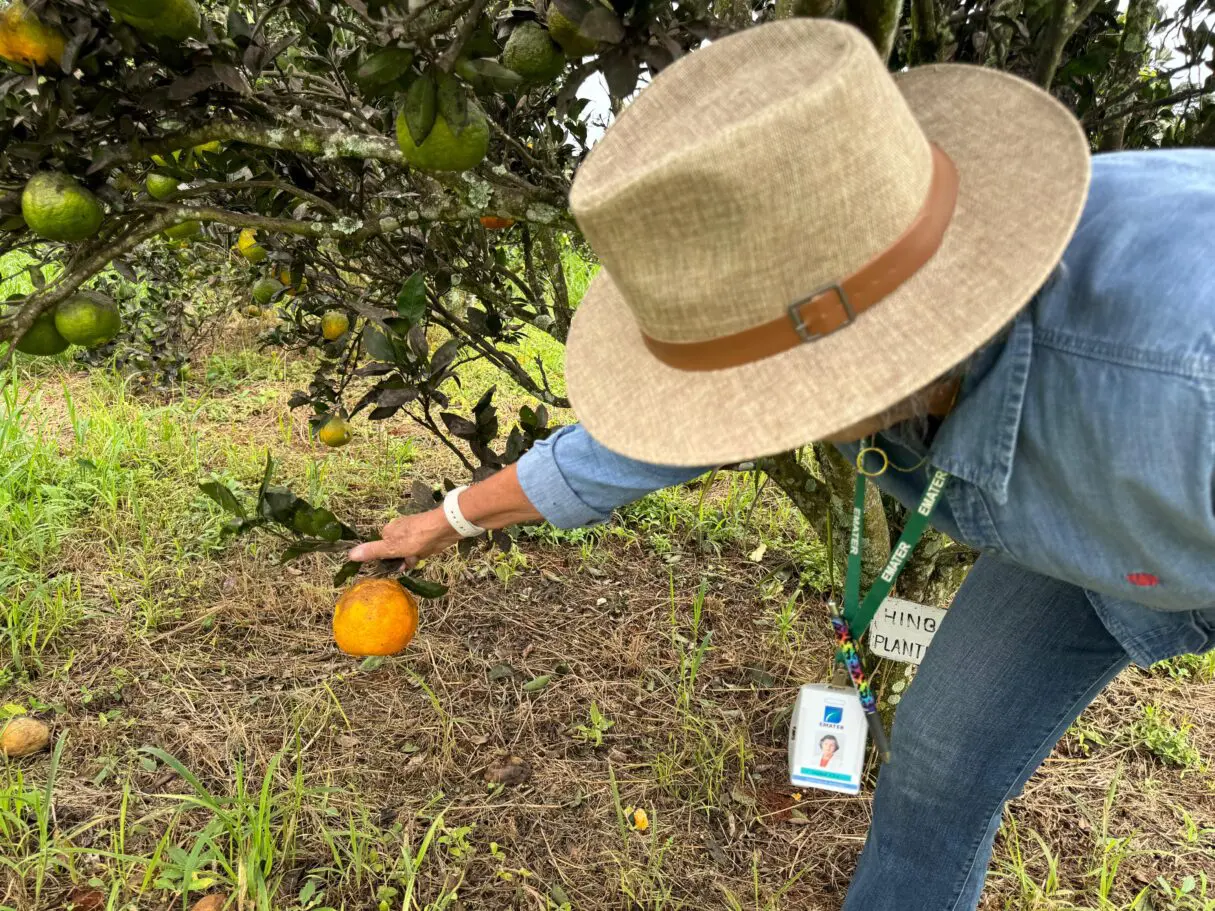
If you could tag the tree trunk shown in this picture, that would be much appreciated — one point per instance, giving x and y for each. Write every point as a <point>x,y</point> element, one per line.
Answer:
<point>1065,18</point>
<point>831,500</point>
<point>1132,45</point>
<point>879,19</point>
<point>1051,42</point>
<point>929,33</point>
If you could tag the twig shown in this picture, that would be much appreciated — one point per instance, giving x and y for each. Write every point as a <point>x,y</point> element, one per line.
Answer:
<point>448,60</point>
<point>254,185</point>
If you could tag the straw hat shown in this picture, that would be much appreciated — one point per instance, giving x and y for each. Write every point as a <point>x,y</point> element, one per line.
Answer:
<point>794,240</point>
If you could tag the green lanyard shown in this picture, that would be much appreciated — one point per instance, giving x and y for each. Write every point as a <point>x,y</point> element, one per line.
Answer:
<point>857,613</point>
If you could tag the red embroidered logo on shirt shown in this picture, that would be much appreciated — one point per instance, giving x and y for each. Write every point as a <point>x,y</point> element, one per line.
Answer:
<point>1147,580</point>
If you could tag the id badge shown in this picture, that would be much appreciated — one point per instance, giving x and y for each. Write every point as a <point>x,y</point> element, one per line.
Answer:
<point>827,739</point>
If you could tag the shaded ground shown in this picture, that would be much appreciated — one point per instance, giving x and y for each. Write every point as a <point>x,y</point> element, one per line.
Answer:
<point>671,637</point>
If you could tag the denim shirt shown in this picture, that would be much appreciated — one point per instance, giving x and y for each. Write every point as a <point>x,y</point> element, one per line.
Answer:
<point>1082,444</point>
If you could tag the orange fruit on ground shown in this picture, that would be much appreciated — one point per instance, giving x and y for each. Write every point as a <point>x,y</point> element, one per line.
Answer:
<point>496,222</point>
<point>375,617</point>
<point>23,736</point>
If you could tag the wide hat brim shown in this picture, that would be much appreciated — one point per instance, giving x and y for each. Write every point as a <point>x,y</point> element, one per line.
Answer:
<point>1024,170</point>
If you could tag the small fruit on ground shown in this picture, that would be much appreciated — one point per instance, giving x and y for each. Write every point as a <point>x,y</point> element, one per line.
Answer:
<point>23,736</point>
<point>253,311</point>
<point>42,338</point>
<point>375,617</point>
<point>443,150</point>
<point>88,319</point>
<point>248,246</point>
<point>161,186</point>
<point>496,222</point>
<point>531,53</point>
<point>567,34</point>
<point>334,325</point>
<point>56,207</point>
<point>26,40</point>
<point>264,290</point>
<point>335,432</point>
<point>173,19</point>
<point>184,231</point>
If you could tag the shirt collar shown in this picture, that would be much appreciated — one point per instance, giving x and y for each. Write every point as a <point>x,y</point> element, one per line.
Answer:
<point>978,439</point>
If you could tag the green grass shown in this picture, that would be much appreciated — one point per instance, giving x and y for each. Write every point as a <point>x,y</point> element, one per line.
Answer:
<point>259,782</point>
<point>1157,733</point>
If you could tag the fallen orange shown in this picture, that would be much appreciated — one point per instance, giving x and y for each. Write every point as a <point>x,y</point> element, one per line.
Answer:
<point>375,617</point>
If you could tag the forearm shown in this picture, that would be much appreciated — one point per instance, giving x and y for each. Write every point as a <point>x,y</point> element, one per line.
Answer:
<point>573,481</point>
<point>569,480</point>
<point>498,501</point>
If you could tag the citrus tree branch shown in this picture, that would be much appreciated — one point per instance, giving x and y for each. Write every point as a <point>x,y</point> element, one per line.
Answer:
<point>520,200</point>
<point>203,189</point>
<point>304,140</point>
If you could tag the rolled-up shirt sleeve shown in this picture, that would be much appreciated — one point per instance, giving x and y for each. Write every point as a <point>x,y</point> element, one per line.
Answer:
<point>574,481</point>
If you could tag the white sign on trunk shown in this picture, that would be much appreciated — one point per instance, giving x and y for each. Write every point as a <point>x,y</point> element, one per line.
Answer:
<point>901,630</point>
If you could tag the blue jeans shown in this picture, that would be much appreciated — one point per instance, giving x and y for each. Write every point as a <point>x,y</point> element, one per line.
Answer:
<point>1016,660</point>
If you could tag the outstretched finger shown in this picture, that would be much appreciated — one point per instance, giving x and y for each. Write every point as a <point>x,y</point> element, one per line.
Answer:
<point>374,550</point>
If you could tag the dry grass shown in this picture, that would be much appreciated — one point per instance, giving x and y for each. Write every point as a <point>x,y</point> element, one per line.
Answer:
<point>388,784</point>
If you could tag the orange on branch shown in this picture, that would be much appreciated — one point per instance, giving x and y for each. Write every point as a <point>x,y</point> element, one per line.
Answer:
<point>335,432</point>
<point>334,325</point>
<point>375,617</point>
<point>496,222</point>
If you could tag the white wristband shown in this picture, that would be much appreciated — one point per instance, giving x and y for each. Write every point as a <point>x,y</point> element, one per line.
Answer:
<point>455,518</point>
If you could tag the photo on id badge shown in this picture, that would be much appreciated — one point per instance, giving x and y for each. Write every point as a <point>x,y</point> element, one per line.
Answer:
<point>827,739</point>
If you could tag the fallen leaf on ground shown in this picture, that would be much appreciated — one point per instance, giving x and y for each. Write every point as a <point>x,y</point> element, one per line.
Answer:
<point>509,772</point>
<point>213,902</point>
<point>83,898</point>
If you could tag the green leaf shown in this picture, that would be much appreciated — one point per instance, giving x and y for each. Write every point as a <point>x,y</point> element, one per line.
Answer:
<point>488,73</point>
<point>224,497</point>
<point>316,522</point>
<point>349,570</point>
<point>383,68</point>
<point>420,108</point>
<point>422,587</point>
<point>411,299</point>
<point>279,505</point>
<point>452,105</point>
<point>537,683</point>
<point>377,343</point>
<point>295,551</point>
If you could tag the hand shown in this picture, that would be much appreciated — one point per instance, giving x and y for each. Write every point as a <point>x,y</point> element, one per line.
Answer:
<point>410,537</point>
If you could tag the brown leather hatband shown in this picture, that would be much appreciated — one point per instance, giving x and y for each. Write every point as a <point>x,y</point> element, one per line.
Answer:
<point>835,305</point>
